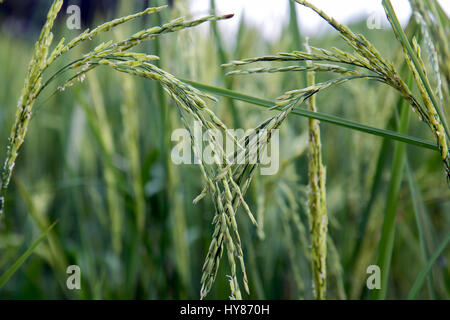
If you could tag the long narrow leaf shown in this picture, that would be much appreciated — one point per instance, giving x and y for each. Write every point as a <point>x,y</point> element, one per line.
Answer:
<point>222,56</point>
<point>417,202</point>
<point>319,116</point>
<point>9,273</point>
<point>388,232</point>
<point>423,274</point>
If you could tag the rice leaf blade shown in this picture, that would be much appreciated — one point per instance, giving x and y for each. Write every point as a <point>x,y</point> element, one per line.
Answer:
<point>417,202</point>
<point>423,274</point>
<point>388,230</point>
<point>10,272</point>
<point>317,115</point>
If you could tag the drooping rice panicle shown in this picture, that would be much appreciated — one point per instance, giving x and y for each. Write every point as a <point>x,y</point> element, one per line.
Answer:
<point>239,181</point>
<point>89,34</point>
<point>315,67</point>
<point>432,114</point>
<point>32,85</point>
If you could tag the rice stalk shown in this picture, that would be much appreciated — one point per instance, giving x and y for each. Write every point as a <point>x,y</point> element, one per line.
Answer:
<point>16,265</point>
<point>316,199</point>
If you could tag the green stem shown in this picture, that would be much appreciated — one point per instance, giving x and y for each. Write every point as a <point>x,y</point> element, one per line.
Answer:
<point>317,115</point>
<point>423,274</point>
<point>388,231</point>
<point>418,205</point>
<point>9,273</point>
<point>222,55</point>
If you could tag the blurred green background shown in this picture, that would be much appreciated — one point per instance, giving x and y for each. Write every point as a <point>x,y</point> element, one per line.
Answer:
<point>103,147</point>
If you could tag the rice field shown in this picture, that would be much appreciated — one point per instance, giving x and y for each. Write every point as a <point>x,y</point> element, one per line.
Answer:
<point>357,207</point>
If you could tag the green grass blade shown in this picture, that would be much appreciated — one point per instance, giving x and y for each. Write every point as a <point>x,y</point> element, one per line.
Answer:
<point>407,45</point>
<point>42,221</point>
<point>222,55</point>
<point>423,274</point>
<point>418,204</point>
<point>296,43</point>
<point>319,116</point>
<point>294,26</point>
<point>388,231</point>
<point>10,272</point>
